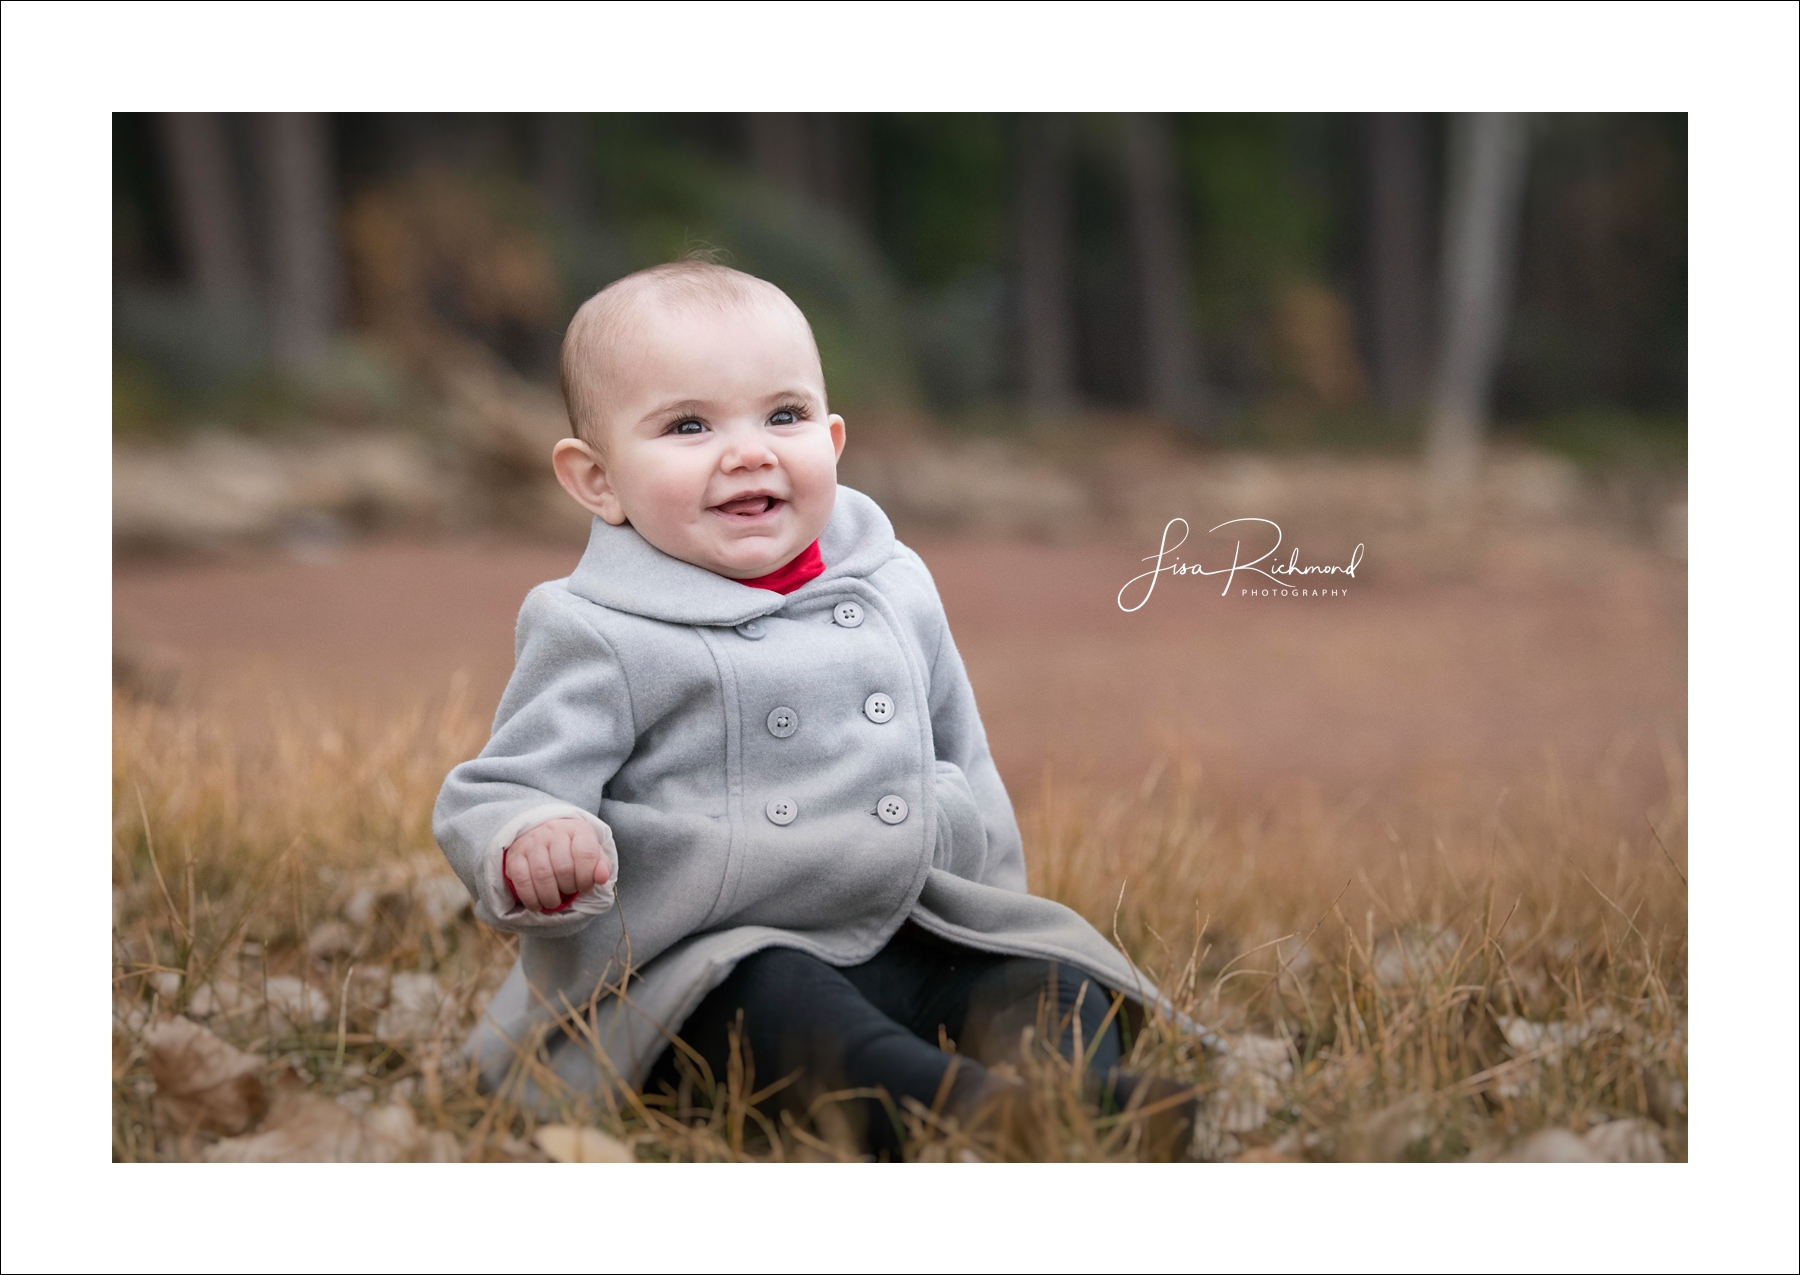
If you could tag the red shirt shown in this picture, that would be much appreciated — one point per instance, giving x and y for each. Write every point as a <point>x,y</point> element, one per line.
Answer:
<point>804,566</point>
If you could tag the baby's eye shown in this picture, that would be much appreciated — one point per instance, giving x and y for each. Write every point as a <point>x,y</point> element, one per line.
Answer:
<point>784,416</point>
<point>689,426</point>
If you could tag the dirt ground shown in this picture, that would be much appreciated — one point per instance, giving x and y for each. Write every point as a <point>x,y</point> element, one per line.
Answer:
<point>1536,654</point>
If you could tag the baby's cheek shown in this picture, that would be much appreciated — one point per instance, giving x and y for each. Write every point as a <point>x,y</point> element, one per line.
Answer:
<point>812,471</point>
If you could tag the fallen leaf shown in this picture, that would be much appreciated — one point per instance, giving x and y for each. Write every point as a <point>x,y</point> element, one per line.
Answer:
<point>331,938</point>
<point>369,986</point>
<point>441,1147</point>
<point>567,1144</point>
<point>217,997</point>
<point>1548,1146</point>
<point>415,1011</point>
<point>304,1126</point>
<point>442,898</point>
<point>202,1082</point>
<point>1382,1136</point>
<point>1266,1155</point>
<point>1632,1141</point>
<point>359,910</point>
<point>128,1015</point>
<point>293,1004</point>
<point>1252,1073</point>
<point>1414,957</point>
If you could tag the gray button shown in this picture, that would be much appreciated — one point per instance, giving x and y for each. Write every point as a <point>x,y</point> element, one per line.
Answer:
<point>848,614</point>
<point>878,708</point>
<point>892,809</point>
<point>781,811</point>
<point>783,722</point>
<point>752,629</point>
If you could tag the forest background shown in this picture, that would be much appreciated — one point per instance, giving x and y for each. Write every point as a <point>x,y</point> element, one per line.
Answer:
<point>1420,859</point>
<point>1277,281</point>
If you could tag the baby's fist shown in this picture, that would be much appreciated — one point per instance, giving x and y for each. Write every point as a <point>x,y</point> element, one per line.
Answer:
<point>554,862</point>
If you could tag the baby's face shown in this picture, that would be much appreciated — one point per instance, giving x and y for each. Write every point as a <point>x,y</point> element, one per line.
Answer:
<point>717,446</point>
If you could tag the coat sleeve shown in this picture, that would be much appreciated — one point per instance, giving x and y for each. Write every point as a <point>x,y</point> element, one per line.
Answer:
<point>961,741</point>
<point>563,729</point>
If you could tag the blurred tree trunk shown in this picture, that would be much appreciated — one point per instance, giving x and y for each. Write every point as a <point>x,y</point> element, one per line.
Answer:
<point>1399,259</point>
<point>1169,345</point>
<point>560,160</point>
<point>295,154</point>
<point>844,168</point>
<point>208,207</point>
<point>1046,325</point>
<point>1487,179</point>
<point>822,157</point>
<point>781,149</point>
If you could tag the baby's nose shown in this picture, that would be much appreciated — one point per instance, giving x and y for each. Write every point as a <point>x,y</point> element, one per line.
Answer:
<point>747,454</point>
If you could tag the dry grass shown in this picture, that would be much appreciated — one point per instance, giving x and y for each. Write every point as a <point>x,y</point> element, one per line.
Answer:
<point>1435,974</point>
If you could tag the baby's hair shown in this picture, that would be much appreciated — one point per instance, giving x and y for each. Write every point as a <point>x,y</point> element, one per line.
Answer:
<point>593,335</point>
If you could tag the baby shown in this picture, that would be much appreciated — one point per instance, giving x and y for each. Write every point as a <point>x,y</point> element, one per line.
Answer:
<point>737,787</point>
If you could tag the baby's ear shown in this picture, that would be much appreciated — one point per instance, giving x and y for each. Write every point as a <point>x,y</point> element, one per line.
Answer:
<point>583,475</point>
<point>836,424</point>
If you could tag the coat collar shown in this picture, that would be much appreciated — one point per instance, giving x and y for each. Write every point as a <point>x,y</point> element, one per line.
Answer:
<point>623,571</point>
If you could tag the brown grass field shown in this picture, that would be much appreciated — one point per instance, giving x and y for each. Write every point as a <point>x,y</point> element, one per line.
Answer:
<point>1429,976</point>
<point>1420,862</point>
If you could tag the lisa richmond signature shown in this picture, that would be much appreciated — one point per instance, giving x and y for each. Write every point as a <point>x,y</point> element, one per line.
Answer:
<point>1282,573</point>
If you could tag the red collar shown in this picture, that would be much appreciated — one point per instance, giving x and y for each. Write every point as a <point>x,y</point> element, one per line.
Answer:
<point>785,579</point>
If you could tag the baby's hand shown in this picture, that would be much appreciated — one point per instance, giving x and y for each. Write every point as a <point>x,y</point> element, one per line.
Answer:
<point>554,862</point>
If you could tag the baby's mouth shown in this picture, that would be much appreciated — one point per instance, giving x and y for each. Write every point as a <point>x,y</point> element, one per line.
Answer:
<point>747,506</point>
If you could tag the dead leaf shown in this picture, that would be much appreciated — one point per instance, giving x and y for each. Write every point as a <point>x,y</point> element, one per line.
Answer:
<point>1266,1155</point>
<point>128,1015</point>
<point>1414,957</point>
<point>567,1144</point>
<point>1381,1137</point>
<point>293,1005</point>
<point>416,1009</point>
<point>1631,1141</point>
<point>304,1126</point>
<point>331,938</point>
<point>442,898</point>
<point>441,1147</point>
<point>360,909</point>
<point>1253,1071</point>
<point>217,997</point>
<point>202,1082</point>
<point>1548,1146</point>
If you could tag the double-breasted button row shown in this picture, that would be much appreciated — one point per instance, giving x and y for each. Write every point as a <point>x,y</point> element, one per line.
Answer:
<point>782,811</point>
<point>784,721</point>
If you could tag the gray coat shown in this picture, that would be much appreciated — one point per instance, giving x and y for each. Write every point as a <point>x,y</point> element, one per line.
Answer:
<point>806,771</point>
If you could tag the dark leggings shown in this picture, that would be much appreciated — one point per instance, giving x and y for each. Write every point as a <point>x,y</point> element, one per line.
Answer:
<point>877,1025</point>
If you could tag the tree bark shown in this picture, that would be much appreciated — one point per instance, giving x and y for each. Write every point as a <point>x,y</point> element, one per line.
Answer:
<point>209,207</point>
<point>782,150</point>
<point>1399,260</point>
<point>1487,179</point>
<point>1170,348</point>
<point>843,176</point>
<point>561,163</point>
<point>1046,326</point>
<point>294,151</point>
